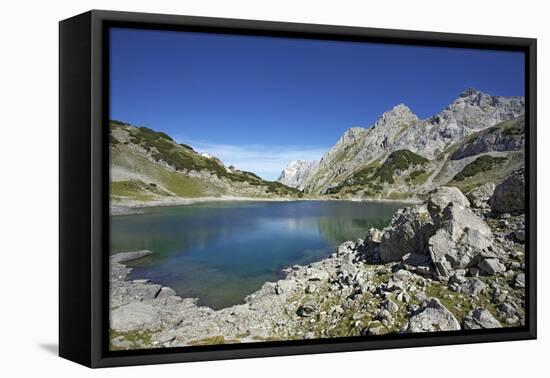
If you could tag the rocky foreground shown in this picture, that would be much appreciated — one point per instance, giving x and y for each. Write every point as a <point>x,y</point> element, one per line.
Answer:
<point>454,262</point>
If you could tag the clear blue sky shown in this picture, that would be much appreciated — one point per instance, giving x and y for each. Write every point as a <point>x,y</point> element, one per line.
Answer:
<point>257,101</point>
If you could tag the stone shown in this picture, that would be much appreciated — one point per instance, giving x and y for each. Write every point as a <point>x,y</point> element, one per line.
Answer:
<point>402,275</point>
<point>431,318</point>
<point>509,195</point>
<point>507,308</point>
<point>461,239</point>
<point>421,296</point>
<point>318,275</point>
<point>491,266</point>
<point>440,198</point>
<point>519,236</point>
<point>480,196</point>
<point>480,319</point>
<point>408,232</point>
<point>310,289</point>
<point>390,305</point>
<point>519,281</point>
<point>473,287</point>
<point>375,331</point>
<point>285,286</point>
<point>346,247</point>
<point>307,309</point>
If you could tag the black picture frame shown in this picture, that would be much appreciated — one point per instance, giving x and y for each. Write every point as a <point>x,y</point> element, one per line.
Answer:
<point>84,187</point>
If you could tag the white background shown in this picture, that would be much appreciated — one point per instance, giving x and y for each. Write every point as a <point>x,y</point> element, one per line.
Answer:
<point>29,186</point>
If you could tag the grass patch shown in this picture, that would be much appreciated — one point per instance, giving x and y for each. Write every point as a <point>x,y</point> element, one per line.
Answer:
<point>398,161</point>
<point>212,340</point>
<point>481,164</point>
<point>136,189</point>
<point>136,339</point>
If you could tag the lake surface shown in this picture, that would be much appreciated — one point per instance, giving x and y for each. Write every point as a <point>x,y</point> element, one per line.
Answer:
<point>220,252</point>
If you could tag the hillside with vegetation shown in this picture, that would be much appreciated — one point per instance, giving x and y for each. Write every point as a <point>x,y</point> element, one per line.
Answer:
<point>148,165</point>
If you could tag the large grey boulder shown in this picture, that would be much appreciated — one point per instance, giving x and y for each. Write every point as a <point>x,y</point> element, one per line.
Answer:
<point>509,195</point>
<point>408,232</point>
<point>440,198</point>
<point>480,196</point>
<point>491,266</point>
<point>370,249</point>
<point>479,319</point>
<point>462,239</point>
<point>431,318</point>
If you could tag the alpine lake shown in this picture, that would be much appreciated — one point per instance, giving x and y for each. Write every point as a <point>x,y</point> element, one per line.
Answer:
<point>220,252</point>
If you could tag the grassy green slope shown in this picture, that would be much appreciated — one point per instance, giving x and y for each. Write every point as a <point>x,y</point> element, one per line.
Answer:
<point>147,164</point>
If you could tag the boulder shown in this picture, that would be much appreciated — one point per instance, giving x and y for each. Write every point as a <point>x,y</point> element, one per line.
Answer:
<point>480,196</point>
<point>389,305</point>
<point>491,266</point>
<point>408,232</point>
<point>473,287</point>
<point>431,318</point>
<point>509,195</point>
<point>480,319</point>
<point>519,281</point>
<point>285,286</point>
<point>346,248</point>
<point>317,275</point>
<point>440,198</point>
<point>461,240</point>
<point>507,309</point>
<point>370,250</point>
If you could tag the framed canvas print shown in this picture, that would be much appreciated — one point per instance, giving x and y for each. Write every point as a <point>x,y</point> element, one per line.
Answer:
<point>234,188</point>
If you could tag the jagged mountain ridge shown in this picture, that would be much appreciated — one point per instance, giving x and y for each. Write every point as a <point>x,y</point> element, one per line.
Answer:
<point>400,129</point>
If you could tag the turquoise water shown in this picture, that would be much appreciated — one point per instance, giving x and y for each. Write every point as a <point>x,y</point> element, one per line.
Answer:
<point>220,252</point>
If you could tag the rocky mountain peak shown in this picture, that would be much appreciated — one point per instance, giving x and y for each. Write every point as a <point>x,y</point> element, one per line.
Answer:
<point>296,172</point>
<point>399,114</point>
<point>475,110</point>
<point>468,92</point>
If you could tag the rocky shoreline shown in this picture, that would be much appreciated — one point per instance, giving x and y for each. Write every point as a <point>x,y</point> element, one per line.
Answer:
<point>450,263</point>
